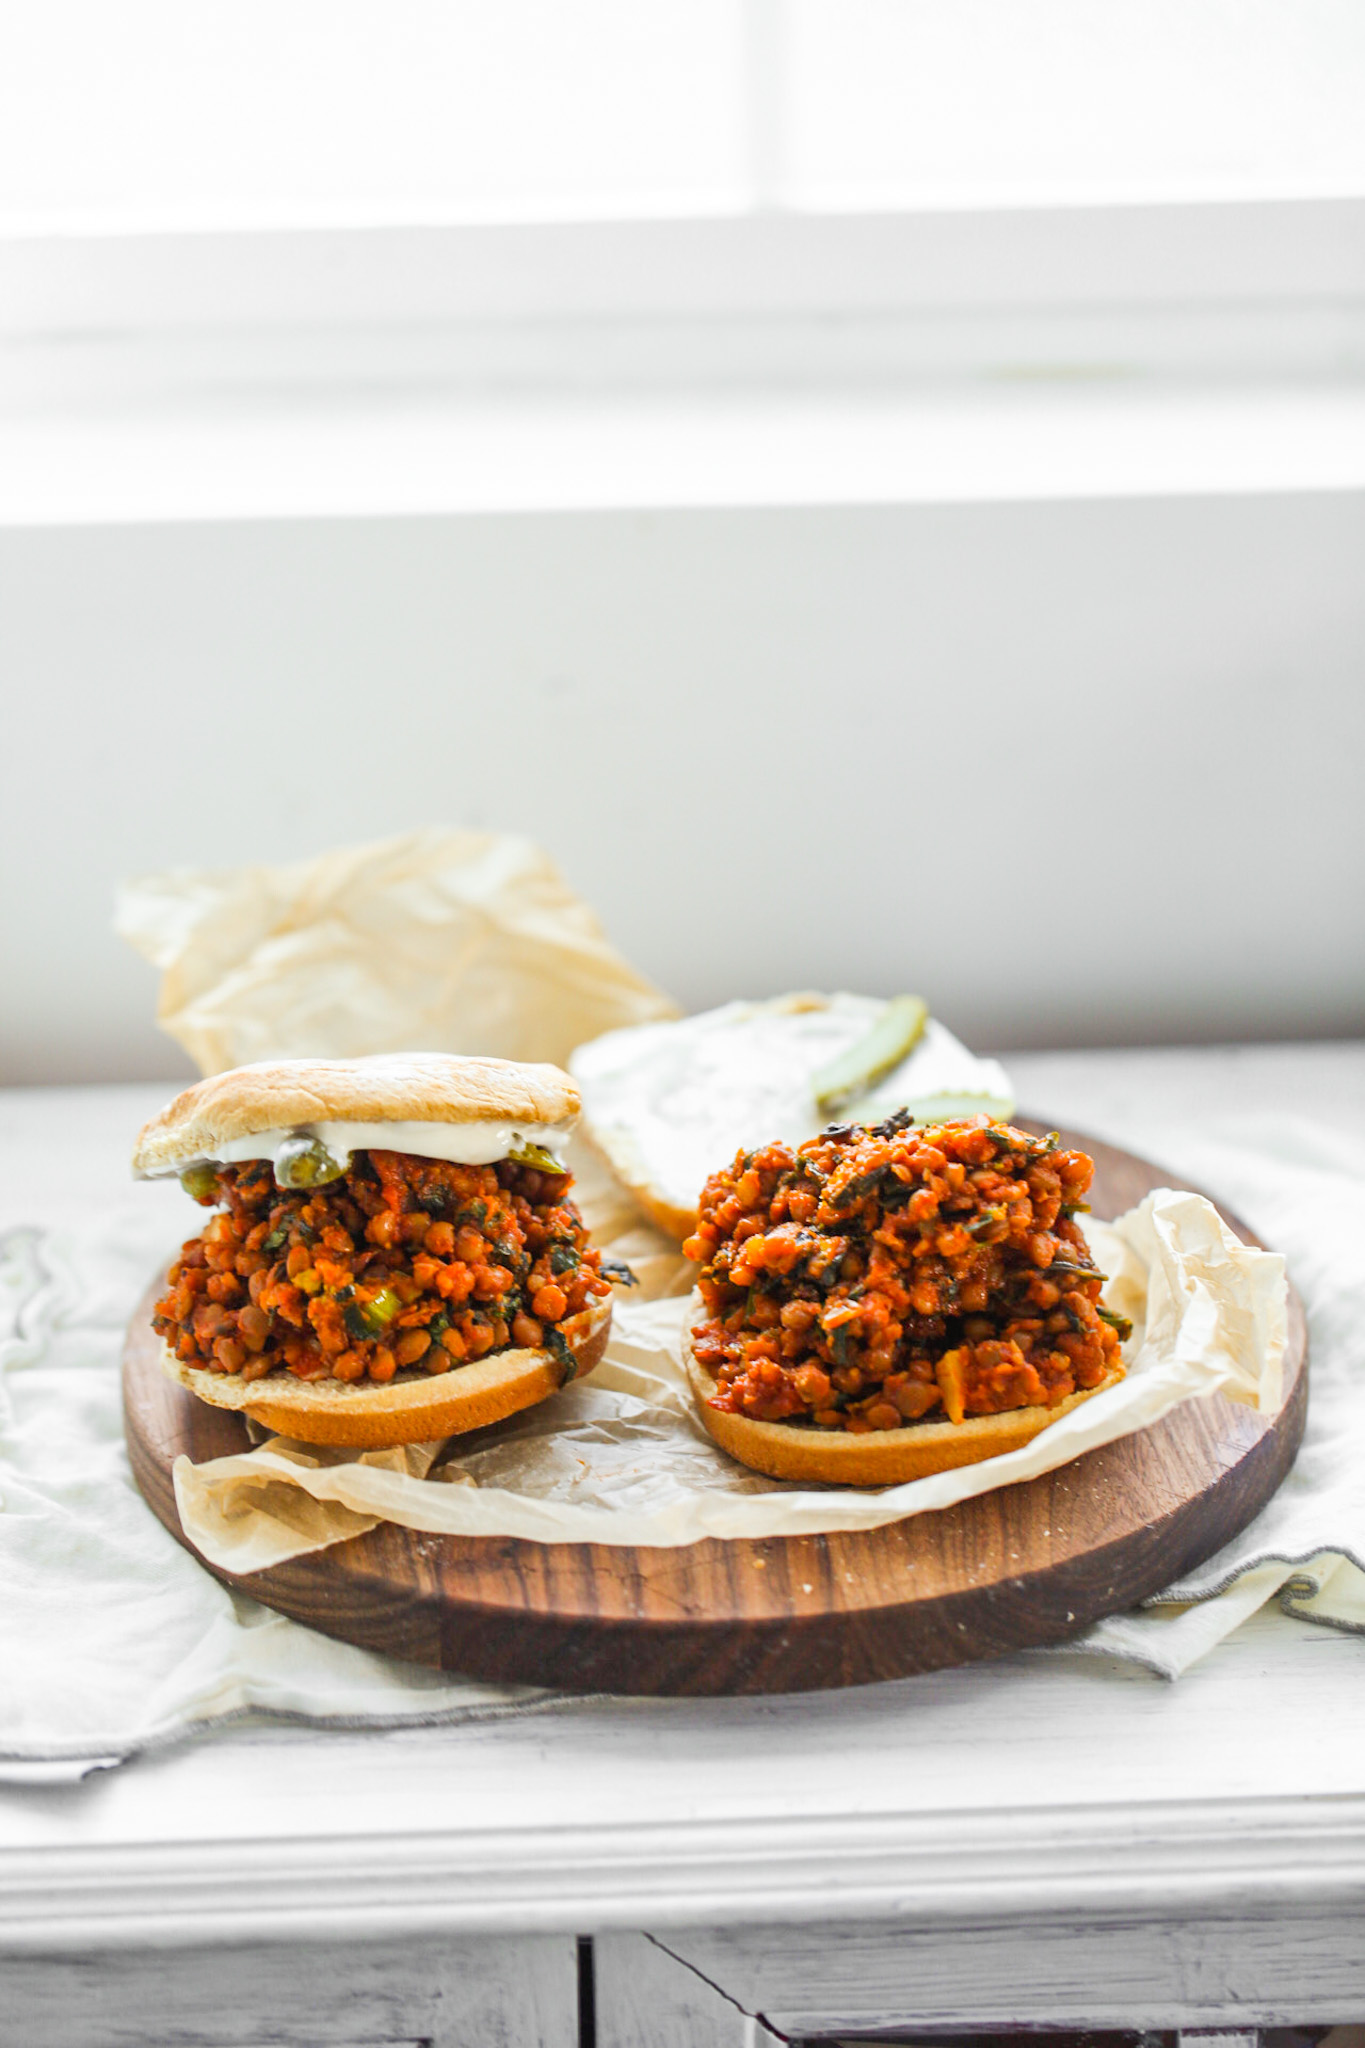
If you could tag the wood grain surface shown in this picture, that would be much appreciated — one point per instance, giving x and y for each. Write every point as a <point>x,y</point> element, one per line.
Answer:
<point>1026,1564</point>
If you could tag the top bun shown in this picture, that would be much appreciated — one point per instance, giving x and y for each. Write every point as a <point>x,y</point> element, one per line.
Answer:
<point>410,1087</point>
<point>669,1103</point>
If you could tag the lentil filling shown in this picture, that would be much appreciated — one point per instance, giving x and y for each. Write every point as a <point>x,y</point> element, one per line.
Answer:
<point>401,1263</point>
<point>881,1275</point>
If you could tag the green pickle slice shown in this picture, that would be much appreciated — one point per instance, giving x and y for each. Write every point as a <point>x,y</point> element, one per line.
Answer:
<point>305,1163</point>
<point>372,1318</point>
<point>200,1181</point>
<point>380,1312</point>
<point>537,1156</point>
<point>895,1033</point>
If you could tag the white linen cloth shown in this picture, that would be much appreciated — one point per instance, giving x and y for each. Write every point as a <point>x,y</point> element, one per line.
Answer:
<point>1302,1187</point>
<point>115,1639</point>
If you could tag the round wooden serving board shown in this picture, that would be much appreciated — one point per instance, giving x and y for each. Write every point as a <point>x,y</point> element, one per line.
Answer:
<point>1027,1564</point>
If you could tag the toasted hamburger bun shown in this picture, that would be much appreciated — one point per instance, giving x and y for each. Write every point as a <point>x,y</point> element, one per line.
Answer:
<point>438,1105</point>
<point>883,1457</point>
<point>401,1088</point>
<point>414,1407</point>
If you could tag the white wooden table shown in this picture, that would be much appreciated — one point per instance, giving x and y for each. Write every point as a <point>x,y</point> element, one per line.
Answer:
<point>1041,1840</point>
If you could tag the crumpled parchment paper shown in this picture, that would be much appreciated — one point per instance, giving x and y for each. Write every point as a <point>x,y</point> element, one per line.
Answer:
<point>622,1458</point>
<point>441,941</point>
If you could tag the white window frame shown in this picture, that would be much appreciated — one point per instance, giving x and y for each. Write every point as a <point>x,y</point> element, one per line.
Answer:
<point>769,357</point>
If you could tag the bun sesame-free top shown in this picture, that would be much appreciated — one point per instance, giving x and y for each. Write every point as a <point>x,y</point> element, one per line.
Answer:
<point>456,1097</point>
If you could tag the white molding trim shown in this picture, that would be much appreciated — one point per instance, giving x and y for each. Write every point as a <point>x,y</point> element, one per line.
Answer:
<point>1190,255</point>
<point>693,450</point>
<point>1155,1861</point>
<point>773,359</point>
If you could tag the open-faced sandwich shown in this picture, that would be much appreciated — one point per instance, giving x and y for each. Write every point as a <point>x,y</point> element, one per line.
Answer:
<point>663,1102</point>
<point>393,1256</point>
<point>890,1300</point>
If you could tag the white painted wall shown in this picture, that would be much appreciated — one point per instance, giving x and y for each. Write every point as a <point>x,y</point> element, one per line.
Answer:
<point>1083,772</point>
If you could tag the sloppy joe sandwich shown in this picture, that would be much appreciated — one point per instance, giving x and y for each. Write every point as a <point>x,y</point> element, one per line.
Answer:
<point>886,1301</point>
<point>663,1102</point>
<point>394,1255</point>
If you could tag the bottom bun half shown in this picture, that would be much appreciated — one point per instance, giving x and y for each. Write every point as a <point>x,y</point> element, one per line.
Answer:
<point>414,1407</point>
<point>884,1457</point>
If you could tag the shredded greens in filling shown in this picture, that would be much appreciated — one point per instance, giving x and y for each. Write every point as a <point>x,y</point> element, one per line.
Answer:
<point>882,1275</point>
<point>398,1263</point>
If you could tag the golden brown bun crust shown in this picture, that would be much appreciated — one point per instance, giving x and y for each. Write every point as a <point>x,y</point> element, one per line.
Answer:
<point>884,1457</point>
<point>410,1087</point>
<point>416,1408</point>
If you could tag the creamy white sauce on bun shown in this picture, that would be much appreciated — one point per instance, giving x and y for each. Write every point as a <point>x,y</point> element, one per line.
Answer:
<point>468,1144</point>
<point>669,1103</point>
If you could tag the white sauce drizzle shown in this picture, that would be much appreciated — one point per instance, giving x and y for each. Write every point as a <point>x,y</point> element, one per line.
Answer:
<point>478,1143</point>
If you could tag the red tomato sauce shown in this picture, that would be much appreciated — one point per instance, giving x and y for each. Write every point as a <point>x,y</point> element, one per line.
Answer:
<point>402,1263</point>
<point>879,1276</point>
